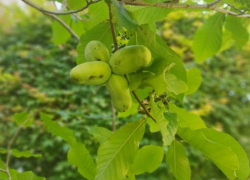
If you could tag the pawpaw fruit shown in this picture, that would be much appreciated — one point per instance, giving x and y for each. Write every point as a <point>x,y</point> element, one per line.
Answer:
<point>96,51</point>
<point>118,89</point>
<point>91,73</point>
<point>130,59</point>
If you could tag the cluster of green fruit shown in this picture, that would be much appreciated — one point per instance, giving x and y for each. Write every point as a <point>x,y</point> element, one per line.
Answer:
<point>100,69</point>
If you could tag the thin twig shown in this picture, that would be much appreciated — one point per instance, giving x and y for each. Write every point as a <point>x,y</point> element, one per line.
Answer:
<point>116,48</point>
<point>3,170</point>
<point>211,6</point>
<point>10,143</point>
<point>63,24</point>
<point>142,105</point>
<point>58,12</point>
<point>112,27</point>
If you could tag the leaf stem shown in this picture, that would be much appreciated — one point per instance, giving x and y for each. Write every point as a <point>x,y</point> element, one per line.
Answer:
<point>112,28</point>
<point>10,143</point>
<point>142,105</point>
<point>116,48</point>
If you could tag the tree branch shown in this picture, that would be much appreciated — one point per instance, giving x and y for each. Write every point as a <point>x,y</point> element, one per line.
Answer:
<point>112,28</point>
<point>3,170</point>
<point>211,6</point>
<point>142,105</point>
<point>58,12</point>
<point>116,48</point>
<point>63,24</point>
<point>12,140</point>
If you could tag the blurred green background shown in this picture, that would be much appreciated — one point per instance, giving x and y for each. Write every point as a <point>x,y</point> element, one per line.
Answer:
<point>34,77</point>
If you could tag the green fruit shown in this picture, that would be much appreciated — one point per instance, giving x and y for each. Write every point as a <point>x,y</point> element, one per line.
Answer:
<point>130,59</point>
<point>117,86</point>
<point>91,73</point>
<point>96,51</point>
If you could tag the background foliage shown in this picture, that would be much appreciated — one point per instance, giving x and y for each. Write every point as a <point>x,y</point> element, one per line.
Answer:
<point>34,77</point>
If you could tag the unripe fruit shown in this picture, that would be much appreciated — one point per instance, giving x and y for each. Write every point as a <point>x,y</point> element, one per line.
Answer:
<point>91,73</point>
<point>130,59</point>
<point>117,86</point>
<point>96,51</point>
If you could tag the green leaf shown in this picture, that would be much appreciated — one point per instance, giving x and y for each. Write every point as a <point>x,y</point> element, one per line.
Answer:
<point>28,175</point>
<point>228,141</point>
<point>100,134</point>
<point>194,79</point>
<point>178,162</point>
<point>21,117</point>
<point>149,15</point>
<point>101,32</point>
<point>60,34</point>
<point>161,122</point>
<point>125,18</point>
<point>177,86</point>
<point>221,154</point>
<point>239,32</point>
<point>147,159</point>
<point>243,2</point>
<point>79,156</point>
<point>55,129</point>
<point>172,127</point>
<point>227,40</point>
<point>77,27</point>
<point>208,38</point>
<point>98,12</point>
<point>187,119</point>
<point>115,156</point>
<point>76,4</point>
<point>130,177</point>
<point>25,154</point>
<point>3,175</point>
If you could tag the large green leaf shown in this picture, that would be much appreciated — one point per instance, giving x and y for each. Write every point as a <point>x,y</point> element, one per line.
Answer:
<point>76,4</point>
<point>149,15</point>
<point>20,118</point>
<point>222,150</point>
<point>227,40</point>
<point>172,127</point>
<point>60,34</point>
<point>187,119</point>
<point>28,175</point>
<point>79,156</point>
<point>161,122</point>
<point>100,134</point>
<point>116,155</point>
<point>228,141</point>
<point>98,12</point>
<point>175,85</point>
<point>147,159</point>
<point>178,162</point>
<point>194,79</point>
<point>243,2</point>
<point>208,38</point>
<point>101,32</point>
<point>55,129</point>
<point>125,18</point>
<point>239,32</point>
